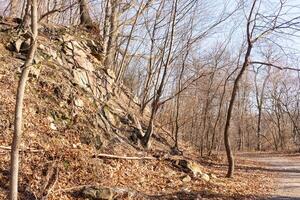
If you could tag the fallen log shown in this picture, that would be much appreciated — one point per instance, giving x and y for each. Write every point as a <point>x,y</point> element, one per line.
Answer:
<point>5,148</point>
<point>110,156</point>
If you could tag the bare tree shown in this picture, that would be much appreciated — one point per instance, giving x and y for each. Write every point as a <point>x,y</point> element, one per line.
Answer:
<point>259,101</point>
<point>258,27</point>
<point>14,166</point>
<point>164,64</point>
<point>228,147</point>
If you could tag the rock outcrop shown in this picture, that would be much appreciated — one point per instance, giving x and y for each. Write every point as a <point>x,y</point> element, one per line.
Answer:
<point>68,62</point>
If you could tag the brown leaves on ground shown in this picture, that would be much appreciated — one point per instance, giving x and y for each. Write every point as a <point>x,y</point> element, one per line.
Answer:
<point>154,178</point>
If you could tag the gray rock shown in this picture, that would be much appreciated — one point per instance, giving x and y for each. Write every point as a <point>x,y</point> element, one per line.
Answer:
<point>186,179</point>
<point>79,103</point>
<point>205,177</point>
<point>18,44</point>
<point>53,126</point>
<point>109,116</point>
<point>25,46</point>
<point>84,63</point>
<point>73,48</point>
<point>81,78</point>
<point>213,176</point>
<point>189,166</point>
<point>94,193</point>
<point>35,71</point>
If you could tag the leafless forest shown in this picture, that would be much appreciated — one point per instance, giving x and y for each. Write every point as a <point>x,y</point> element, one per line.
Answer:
<point>220,76</point>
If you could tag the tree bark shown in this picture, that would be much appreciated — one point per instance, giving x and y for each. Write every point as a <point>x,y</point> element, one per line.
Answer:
<point>85,18</point>
<point>26,17</point>
<point>227,144</point>
<point>14,166</point>
<point>13,8</point>
<point>113,32</point>
<point>106,27</point>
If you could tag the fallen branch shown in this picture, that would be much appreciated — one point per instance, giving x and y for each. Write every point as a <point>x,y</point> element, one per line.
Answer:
<point>5,148</point>
<point>124,157</point>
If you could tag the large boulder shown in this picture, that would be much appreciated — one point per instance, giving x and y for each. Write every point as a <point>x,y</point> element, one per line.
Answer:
<point>188,166</point>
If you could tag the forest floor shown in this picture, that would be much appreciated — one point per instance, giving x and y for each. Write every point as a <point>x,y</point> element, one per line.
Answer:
<point>286,171</point>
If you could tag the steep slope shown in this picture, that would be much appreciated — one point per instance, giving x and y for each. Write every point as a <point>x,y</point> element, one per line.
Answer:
<point>69,89</point>
<point>73,112</point>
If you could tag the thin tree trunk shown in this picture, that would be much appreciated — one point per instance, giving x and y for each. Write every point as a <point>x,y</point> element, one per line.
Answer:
<point>241,138</point>
<point>258,129</point>
<point>85,18</point>
<point>14,166</point>
<point>26,17</point>
<point>13,8</point>
<point>155,104</point>
<point>260,101</point>
<point>113,28</point>
<point>227,144</point>
<point>178,96</point>
<point>150,63</point>
<point>177,121</point>
<point>106,27</point>
<point>229,153</point>
<point>122,68</point>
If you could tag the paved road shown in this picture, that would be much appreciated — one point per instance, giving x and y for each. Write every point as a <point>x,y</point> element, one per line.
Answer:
<point>288,169</point>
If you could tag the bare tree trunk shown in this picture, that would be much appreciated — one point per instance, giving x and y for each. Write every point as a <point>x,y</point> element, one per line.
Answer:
<point>260,101</point>
<point>178,107</point>
<point>259,129</point>
<point>219,115</point>
<point>14,166</point>
<point>177,121</point>
<point>113,32</point>
<point>241,138</point>
<point>26,17</point>
<point>106,27</point>
<point>155,104</point>
<point>178,96</point>
<point>13,8</point>
<point>85,18</point>
<point>150,72</point>
<point>250,42</point>
<point>122,67</point>
<point>229,153</point>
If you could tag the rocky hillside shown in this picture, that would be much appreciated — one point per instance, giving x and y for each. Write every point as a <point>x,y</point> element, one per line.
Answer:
<point>69,90</point>
<point>75,117</point>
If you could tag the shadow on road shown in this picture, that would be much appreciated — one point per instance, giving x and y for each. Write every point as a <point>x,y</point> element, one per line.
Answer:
<point>269,169</point>
<point>195,195</point>
<point>283,198</point>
